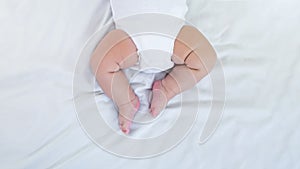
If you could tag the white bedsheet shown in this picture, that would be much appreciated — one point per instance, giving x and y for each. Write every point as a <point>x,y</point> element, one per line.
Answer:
<point>257,43</point>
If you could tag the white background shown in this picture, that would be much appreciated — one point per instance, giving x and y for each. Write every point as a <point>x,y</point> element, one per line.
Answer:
<point>258,43</point>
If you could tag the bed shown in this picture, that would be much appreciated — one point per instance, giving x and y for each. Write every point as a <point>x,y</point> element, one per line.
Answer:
<point>258,47</point>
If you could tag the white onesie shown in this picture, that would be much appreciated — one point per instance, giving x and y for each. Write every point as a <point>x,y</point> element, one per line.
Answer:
<point>153,26</point>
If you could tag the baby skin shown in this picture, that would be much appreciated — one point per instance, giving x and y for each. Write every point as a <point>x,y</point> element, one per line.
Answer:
<point>193,57</point>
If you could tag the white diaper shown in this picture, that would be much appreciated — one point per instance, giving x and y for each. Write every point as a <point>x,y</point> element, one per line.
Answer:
<point>154,32</point>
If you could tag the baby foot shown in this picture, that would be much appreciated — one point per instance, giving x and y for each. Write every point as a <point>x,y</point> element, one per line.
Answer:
<point>126,114</point>
<point>159,98</point>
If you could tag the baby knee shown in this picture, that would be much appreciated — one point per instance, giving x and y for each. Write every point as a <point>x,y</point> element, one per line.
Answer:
<point>114,52</point>
<point>193,61</point>
<point>201,60</point>
<point>194,50</point>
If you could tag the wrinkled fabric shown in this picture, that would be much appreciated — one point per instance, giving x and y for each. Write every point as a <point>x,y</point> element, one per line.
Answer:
<point>256,41</point>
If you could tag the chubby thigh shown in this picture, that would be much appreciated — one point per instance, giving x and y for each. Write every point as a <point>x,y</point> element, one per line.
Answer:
<point>193,49</point>
<point>115,51</point>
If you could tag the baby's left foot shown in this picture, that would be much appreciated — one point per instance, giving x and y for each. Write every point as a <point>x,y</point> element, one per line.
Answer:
<point>160,98</point>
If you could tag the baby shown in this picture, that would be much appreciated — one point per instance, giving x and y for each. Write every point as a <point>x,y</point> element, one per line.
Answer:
<point>192,58</point>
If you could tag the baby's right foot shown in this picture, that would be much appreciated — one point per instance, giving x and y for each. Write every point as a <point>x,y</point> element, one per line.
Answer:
<point>126,114</point>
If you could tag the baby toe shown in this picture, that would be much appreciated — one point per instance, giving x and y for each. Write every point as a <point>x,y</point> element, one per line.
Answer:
<point>124,124</point>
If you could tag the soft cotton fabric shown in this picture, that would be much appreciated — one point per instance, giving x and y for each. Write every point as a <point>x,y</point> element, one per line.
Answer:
<point>154,48</point>
<point>257,43</point>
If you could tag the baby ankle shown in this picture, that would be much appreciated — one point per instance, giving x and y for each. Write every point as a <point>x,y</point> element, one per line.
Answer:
<point>169,92</point>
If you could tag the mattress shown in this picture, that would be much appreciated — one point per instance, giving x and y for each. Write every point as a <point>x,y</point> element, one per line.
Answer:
<point>255,86</point>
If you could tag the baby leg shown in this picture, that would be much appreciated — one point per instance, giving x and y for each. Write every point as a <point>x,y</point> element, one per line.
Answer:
<point>194,58</point>
<point>115,52</point>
